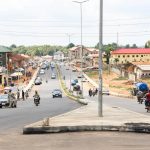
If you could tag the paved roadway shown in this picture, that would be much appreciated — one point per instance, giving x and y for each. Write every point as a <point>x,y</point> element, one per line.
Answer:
<point>130,104</point>
<point>26,112</point>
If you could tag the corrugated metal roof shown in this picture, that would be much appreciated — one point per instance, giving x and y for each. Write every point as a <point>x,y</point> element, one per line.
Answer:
<point>144,67</point>
<point>4,49</point>
<point>132,51</point>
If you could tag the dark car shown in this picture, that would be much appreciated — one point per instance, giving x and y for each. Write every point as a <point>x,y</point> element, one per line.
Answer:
<point>4,100</point>
<point>57,93</point>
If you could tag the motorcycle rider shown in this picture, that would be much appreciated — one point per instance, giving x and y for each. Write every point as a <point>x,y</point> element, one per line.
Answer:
<point>147,101</point>
<point>37,96</point>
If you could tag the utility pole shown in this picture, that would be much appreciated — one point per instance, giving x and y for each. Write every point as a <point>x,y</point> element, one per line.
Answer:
<point>81,50</point>
<point>7,68</point>
<point>100,91</point>
<point>69,60</point>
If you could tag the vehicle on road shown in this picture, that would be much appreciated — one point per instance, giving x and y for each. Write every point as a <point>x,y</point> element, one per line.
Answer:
<point>36,100</point>
<point>84,80</point>
<point>53,76</point>
<point>105,91</point>
<point>4,100</point>
<point>57,93</point>
<point>73,82</point>
<point>74,70</point>
<point>42,71</point>
<point>80,76</point>
<point>37,82</point>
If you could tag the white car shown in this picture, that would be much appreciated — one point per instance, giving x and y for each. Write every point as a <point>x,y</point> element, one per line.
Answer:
<point>42,71</point>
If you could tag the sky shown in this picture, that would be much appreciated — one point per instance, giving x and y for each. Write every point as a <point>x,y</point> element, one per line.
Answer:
<point>39,22</point>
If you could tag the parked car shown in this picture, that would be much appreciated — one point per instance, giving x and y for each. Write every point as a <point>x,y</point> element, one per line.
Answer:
<point>4,100</point>
<point>56,93</point>
<point>53,76</point>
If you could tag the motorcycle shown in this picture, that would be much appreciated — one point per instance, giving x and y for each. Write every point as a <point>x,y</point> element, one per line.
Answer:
<point>36,101</point>
<point>140,100</point>
<point>147,105</point>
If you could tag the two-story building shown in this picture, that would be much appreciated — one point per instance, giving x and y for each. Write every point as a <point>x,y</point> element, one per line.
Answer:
<point>59,56</point>
<point>75,52</point>
<point>122,56</point>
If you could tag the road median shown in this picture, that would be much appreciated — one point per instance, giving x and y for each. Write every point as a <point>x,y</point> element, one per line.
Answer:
<point>67,92</point>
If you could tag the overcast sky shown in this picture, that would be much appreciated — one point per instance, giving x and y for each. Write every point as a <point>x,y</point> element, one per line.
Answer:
<point>36,22</point>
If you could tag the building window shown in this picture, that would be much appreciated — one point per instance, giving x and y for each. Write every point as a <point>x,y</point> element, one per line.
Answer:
<point>1,63</point>
<point>141,55</point>
<point>128,56</point>
<point>132,55</point>
<point>123,55</point>
<point>137,55</point>
<point>118,56</point>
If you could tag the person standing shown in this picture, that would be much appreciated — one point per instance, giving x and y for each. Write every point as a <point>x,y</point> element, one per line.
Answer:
<point>26,94</point>
<point>18,94</point>
<point>23,95</point>
<point>90,92</point>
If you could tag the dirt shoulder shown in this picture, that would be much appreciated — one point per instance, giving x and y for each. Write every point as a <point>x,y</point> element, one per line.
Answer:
<point>113,82</point>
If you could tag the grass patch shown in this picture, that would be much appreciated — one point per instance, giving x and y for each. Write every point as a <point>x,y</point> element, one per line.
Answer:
<point>120,78</point>
<point>67,91</point>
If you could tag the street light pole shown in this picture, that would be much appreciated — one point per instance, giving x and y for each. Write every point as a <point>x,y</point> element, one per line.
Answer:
<point>100,96</point>
<point>69,35</point>
<point>81,50</point>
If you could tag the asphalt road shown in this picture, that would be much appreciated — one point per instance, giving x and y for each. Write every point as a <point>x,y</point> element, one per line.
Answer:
<point>26,112</point>
<point>113,101</point>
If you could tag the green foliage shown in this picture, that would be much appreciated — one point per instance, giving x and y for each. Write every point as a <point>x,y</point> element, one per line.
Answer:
<point>70,45</point>
<point>107,49</point>
<point>39,50</point>
<point>147,44</point>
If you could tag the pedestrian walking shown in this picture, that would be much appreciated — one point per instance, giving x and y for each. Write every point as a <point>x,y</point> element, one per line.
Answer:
<point>26,94</point>
<point>93,92</point>
<point>18,94</point>
<point>23,95</point>
<point>90,92</point>
<point>96,90</point>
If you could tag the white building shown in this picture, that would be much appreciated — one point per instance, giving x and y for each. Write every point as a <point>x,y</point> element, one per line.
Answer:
<point>59,56</point>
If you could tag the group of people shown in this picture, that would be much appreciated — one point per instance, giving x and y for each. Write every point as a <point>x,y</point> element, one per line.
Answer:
<point>93,92</point>
<point>25,95</point>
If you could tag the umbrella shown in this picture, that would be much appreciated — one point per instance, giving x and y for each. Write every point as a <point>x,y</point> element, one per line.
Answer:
<point>16,74</point>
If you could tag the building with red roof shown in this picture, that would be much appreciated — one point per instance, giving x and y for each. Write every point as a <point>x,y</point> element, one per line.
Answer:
<point>125,55</point>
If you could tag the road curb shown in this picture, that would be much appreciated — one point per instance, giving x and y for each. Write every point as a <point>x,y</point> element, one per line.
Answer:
<point>128,127</point>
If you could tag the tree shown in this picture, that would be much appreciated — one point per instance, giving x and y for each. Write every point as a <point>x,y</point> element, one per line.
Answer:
<point>134,46</point>
<point>13,46</point>
<point>116,60</point>
<point>147,44</point>
<point>127,46</point>
<point>70,45</point>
